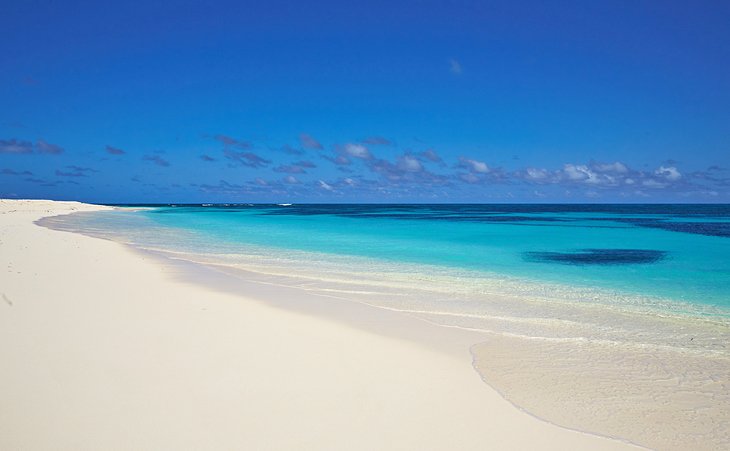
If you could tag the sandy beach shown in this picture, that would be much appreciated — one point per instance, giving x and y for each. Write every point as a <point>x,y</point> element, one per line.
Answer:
<point>105,348</point>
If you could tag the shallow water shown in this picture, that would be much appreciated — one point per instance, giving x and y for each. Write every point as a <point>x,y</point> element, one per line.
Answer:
<point>689,244</point>
<point>633,299</point>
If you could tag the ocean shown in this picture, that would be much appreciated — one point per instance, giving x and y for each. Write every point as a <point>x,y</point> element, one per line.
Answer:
<point>597,272</point>
<point>675,252</point>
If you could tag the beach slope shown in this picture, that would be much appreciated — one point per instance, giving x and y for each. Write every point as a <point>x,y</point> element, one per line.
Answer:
<point>104,348</point>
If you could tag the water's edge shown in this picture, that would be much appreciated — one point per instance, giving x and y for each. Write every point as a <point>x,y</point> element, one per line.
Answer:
<point>455,341</point>
<point>509,385</point>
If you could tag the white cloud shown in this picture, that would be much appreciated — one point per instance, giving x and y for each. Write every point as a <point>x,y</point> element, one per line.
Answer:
<point>536,174</point>
<point>578,172</point>
<point>431,155</point>
<point>474,165</point>
<point>308,142</point>
<point>455,67</point>
<point>582,173</point>
<point>357,151</point>
<point>668,172</point>
<point>325,186</point>
<point>616,167</point>
<point>409,164</point>
<point>651,183</point>
<point>469,178</point>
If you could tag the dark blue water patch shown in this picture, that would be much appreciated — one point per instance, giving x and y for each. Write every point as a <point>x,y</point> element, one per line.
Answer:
<point>685,210</point>
<point>674,210</point>
<point>657,216</point>
<point>631,215</point>
<point>721,229</point>
<point>699,228</point>
<point>459,218</point>
<point>598,256</point>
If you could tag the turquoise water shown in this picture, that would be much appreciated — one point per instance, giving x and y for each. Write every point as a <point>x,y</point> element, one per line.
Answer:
<point>679,252</point>
<point>641,276</point>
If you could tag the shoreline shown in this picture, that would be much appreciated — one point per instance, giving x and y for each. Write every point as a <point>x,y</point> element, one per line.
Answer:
<point>144,345</point>
<point>624,407</point>
<point>623,402</point>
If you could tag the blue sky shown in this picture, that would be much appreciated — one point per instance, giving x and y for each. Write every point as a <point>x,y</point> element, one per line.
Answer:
<point>424,101</point>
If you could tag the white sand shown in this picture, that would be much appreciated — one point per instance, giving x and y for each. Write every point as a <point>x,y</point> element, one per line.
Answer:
<point>102,348</point>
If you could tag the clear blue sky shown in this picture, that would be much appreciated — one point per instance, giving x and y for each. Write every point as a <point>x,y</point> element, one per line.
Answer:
<point>423,101</point>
